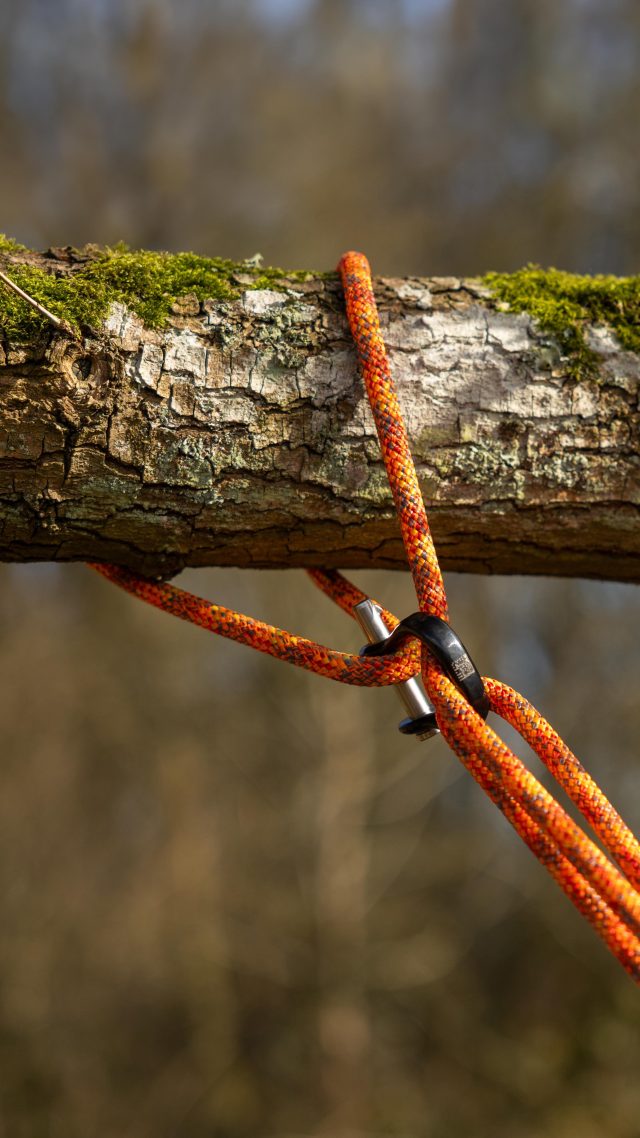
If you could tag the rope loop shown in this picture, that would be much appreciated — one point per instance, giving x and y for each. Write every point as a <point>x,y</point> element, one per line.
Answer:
<point>604,889</point>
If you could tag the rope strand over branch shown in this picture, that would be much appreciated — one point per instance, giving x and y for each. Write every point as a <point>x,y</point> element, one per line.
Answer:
<point>606,894</point>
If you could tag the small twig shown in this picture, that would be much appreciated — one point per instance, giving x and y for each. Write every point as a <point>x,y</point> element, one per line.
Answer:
<point>55,320</point>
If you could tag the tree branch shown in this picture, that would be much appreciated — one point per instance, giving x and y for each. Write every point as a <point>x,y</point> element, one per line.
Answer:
<point>239,434</point>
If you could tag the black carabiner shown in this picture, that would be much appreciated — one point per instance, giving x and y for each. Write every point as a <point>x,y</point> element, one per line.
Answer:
<point>447,648</point>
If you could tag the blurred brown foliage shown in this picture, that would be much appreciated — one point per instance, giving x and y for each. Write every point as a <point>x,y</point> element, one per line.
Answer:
<point>234,901</point>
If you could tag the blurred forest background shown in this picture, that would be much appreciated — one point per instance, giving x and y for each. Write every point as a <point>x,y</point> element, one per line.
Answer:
<point>234,901</point>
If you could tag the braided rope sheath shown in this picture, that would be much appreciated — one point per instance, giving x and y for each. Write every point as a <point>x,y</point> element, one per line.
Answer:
<point>607,896</point>
<point>394,444</point>
<point>343,666</point>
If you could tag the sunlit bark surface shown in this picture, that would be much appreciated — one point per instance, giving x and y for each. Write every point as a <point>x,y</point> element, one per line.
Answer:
<point>240,434</point>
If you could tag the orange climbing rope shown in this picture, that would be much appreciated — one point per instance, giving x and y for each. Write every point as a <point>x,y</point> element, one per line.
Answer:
<point>607,894</point>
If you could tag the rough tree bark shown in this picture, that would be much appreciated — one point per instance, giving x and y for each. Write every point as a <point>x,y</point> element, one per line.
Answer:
<point>240,435</point>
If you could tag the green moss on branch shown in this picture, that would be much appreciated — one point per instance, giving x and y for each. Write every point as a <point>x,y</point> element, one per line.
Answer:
<point>564,304</point>
<point>8,245</point>
<point>148,283</point>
